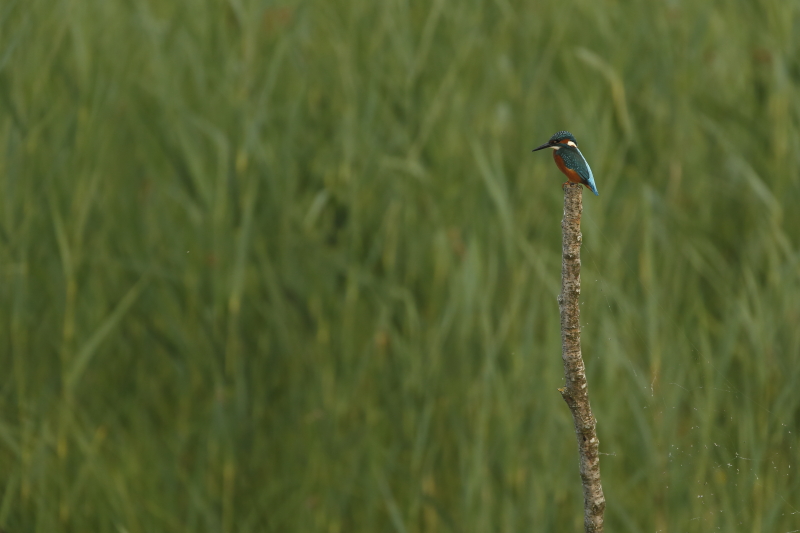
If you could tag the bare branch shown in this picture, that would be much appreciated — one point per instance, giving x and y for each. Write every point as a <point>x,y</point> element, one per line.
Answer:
<point>575,391</point>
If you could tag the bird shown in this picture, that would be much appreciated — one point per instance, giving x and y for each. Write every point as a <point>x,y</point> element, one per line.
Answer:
<point>570,160</point>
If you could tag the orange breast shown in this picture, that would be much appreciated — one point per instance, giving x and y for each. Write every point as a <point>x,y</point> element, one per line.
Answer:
<point>571,175</point>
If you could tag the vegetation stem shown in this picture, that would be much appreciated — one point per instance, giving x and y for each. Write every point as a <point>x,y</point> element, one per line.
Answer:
<point>576,392</point>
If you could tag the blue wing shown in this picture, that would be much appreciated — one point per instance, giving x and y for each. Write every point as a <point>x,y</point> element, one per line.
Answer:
<point>576,161</point>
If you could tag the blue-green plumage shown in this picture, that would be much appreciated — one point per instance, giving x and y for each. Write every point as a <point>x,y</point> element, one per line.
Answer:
<point>573,159</point>
<point>562,135</point>
<point>570,159</point>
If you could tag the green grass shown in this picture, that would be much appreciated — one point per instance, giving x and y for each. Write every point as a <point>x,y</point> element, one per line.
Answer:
<point>294,268</point>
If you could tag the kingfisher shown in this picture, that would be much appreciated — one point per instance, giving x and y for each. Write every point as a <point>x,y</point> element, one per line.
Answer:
<point>570,160</point>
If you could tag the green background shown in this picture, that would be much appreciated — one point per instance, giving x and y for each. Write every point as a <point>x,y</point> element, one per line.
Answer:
<point>293,267</point>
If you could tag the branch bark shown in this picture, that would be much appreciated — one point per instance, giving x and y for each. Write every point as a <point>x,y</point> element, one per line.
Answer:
<point>575,391</point>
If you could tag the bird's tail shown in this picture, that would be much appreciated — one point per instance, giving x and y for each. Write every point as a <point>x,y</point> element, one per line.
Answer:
<point>590,183</point>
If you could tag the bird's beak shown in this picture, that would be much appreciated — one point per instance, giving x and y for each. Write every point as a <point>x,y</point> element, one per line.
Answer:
<point>542,147</point>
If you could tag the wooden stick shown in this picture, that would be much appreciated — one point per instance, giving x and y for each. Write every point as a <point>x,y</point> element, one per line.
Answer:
<point>576,392</point>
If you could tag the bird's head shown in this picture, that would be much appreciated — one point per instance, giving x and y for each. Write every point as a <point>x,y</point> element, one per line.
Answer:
<point>557,140</point>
